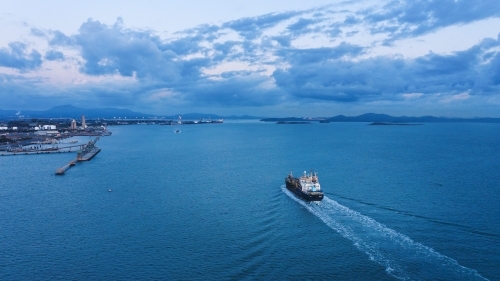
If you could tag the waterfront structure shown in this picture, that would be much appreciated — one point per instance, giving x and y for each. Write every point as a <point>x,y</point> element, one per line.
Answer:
<point>47,133</point>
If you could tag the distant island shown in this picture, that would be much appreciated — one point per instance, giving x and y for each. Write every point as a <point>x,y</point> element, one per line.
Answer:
<point>384,119</point>
<point>73,112</point>
<point>293,122</point>
<point>394,124</point>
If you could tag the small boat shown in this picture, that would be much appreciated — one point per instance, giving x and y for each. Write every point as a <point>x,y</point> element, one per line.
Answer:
<point>306,187</point>
<point>177,131</point>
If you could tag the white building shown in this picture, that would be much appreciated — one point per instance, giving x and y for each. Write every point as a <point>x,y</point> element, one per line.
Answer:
<point>49,127</point>
<point>47,133</point>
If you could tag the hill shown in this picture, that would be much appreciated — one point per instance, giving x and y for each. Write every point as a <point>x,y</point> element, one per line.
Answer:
<point>374,117</point>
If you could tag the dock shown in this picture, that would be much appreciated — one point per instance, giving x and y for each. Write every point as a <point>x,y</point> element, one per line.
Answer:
<point>29,151</point>
<point>89,155</point>
<point>86,153</point>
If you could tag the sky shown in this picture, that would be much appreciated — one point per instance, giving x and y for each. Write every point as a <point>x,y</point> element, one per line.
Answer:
<point>262,58</point>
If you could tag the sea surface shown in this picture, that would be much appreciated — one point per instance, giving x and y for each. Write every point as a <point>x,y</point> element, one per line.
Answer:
<point>209,203</point>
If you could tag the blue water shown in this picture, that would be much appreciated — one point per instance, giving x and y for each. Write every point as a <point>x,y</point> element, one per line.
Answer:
<point>402,202</point>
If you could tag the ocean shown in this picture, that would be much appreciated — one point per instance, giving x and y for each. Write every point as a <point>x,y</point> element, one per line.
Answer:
<point>209,203</point>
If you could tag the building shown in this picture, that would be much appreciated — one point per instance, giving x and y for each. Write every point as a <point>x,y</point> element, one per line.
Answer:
<point>49,127</point>
<point>83,122</point>
<point>73,125</point>
<point>47,133</point>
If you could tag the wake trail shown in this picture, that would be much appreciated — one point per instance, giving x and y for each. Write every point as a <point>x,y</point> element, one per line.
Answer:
<point>402,257</point>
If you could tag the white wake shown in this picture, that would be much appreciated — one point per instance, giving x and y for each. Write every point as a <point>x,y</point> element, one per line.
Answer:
<point>402,257</point>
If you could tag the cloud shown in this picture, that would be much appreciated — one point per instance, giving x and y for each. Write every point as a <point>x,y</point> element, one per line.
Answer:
<point>308,56</point>
<point>351,20</point>
<point>283,40</point>
<point>38,32</point>
<point>18,57</point>
<point>19,92</point>
<point>235,90</point>
<point>53,55</point>
<point>319,75</point>
<point>108,50</point>
<point>301,24</point>
<point>411,96</point>
<point>457,97</point>
<point>273,60</point>
<point>251,28</point>
<point>403,18</point>
<point>60,39</point>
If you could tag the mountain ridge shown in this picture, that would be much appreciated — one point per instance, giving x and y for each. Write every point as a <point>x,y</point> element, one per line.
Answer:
<point>70,111</point>
<point>376,117</point>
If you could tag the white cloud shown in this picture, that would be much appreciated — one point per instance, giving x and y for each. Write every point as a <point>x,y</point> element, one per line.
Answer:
<point>456,97</point>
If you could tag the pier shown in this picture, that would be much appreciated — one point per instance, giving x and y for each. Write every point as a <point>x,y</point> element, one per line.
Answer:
<point>34,151</point>
<point>89,155</point>
<point>63,169</point>
<point>87,152</point>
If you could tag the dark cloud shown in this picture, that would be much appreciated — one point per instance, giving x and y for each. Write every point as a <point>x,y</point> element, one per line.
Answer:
<point>18,57</point>
<point>19,92</point>
<point>339,80</point>
<point>52,55</point>
<point>385,78</point>
<point>114,50</point>
<point>235,90</point>
<point>191,69</point>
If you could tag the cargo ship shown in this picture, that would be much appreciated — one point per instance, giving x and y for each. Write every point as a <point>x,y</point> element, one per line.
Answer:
<point>306,187</point>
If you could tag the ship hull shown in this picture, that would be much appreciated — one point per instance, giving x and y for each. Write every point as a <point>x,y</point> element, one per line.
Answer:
<point>302,195</point>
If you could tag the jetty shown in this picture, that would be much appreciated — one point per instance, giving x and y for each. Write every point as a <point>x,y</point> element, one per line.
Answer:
<point>63,169</point>
<point>87,152</point>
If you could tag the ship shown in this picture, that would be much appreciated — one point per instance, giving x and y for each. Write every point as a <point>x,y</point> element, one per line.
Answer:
<point>306,187</point>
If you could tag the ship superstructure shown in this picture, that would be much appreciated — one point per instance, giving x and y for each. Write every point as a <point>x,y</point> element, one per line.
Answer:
<point>306,187</point>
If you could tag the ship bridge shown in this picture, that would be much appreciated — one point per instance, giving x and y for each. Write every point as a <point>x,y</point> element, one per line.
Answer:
<point>309,182</point>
